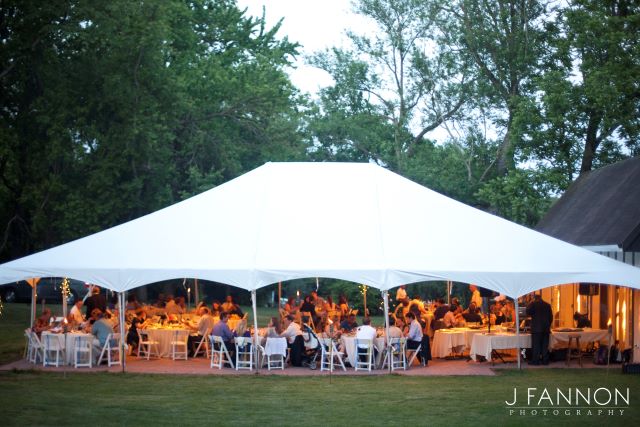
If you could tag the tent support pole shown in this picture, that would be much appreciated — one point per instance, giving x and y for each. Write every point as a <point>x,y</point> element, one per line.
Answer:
<point>256,336</point>
<point>34,296</point>
<point>385,297</point>
<point>517,325</point>
<point>123,353</point>
<point>197,294</point>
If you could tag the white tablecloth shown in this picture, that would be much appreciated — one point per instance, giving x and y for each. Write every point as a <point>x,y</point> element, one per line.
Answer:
<point>163,337</point>
<point>445,341</point>
<point>66,342</point>
<point>276,346</point>
<point>350,348</point>
<point>483,344</point>
<point>587,335</point>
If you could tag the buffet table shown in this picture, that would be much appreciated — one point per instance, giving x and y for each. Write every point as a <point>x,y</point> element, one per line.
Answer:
<point>483,344</point>
<point>560,337</point>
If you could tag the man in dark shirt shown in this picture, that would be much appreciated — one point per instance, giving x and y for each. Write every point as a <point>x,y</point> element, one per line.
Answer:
<point>348,324</point>
<point>440,310</point>
<point>96,300</point>
<point>541,318</point>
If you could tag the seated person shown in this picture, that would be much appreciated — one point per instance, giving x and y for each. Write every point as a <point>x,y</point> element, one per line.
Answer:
<point>100,329</point>
<point>416,338</point>
<point>295,342</point>
<point>216,308</point>
<point>349,324</point>
<point>221,329</point>
<point>441,309</point>
<point>75,317</point>
<point>497,316</point>
<point>273,328</point>
<point>365,332</point>
<point>309,307</point>
<point>230,307</point>
<point>204,327</point>
<point>241,329</point>
<point>43,323</point>
<point>137,323</point>
<point>449,319</point>
<point>394,331</point>
<point>471,315</point>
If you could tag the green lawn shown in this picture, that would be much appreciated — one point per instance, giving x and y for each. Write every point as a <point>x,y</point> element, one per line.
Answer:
<point>34,398</point>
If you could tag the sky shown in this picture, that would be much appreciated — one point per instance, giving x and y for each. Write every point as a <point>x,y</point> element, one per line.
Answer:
<point>315,24</point>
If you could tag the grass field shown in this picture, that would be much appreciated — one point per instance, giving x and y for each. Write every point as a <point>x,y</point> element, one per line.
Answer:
<point>52,398</point>
<point>35,398</point>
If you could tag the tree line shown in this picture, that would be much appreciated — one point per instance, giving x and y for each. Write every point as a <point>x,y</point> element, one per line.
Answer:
<point>111,110</point>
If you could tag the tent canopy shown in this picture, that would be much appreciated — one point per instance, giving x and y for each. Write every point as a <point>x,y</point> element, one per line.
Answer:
<point>357,222</point>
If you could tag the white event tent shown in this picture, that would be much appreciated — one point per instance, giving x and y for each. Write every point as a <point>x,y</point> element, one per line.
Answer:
<point>358,222</point>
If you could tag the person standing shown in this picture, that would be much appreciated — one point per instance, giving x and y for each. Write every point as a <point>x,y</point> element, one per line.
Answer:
<point>541,318</point>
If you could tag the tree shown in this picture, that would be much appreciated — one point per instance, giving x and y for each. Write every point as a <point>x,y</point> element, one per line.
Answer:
<point>392,89</point>
<point>115,109</point>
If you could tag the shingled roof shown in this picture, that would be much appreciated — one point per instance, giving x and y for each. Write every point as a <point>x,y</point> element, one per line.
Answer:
<point>602,207</point>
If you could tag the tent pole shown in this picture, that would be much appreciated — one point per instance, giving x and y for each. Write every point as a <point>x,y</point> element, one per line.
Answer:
<point>279,295</point>
<point>123,354</point>
<point>517,325</point>
<point>256,336</point>
<point>197,294</point>
<point>34,296</point>
<point>385,297</point>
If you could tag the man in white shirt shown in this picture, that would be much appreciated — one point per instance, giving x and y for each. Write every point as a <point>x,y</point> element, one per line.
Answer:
<point>204,327</point>
<point>475,295</point>
<point>75,315</point>
<point>296,345</point>
<point>172,308</point>
<point>415,339</point>
<point>366,331</point>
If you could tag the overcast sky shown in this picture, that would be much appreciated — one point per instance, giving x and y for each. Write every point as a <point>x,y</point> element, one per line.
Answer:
<point>315,24</point>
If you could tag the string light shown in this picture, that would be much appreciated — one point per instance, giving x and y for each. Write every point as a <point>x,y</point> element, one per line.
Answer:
<point>1,307</point>
<point>66,290</point>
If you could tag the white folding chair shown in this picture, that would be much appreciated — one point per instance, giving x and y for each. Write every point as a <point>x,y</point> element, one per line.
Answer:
<point>53,349</point>
<point>82,351</point>
<point>244,353</point>
<point>36,351</point>
<point>364,355</point>
<point>146,346</point>
<point>219,353</point>
<point>203,345</point>
<point>180,345</point>
<point>111,350</point>
<point>275,353</point>
<point>27,344</point>
<point>329,355</point>
<point>411,354</point>
<point>396,350</point>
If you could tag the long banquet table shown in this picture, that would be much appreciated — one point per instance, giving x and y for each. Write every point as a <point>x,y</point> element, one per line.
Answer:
<point>67,343</point>
<point>349,343</point>
<point>163,336</point>
<point>445,341</point>
<point>483,344</point>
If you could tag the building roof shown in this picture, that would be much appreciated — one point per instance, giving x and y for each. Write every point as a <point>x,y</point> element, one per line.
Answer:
<point>601,207</point>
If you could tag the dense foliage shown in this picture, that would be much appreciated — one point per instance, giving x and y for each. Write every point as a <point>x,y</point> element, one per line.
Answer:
<point>111,110</point>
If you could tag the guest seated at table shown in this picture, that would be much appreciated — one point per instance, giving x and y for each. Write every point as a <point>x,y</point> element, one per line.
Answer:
<point>293,334</point>
<point>308,307</point>
<point>394,331</point>
<point>172,308</point>
<point>449,319</point>
<point>317,300</point>
<point>343,306</point>
<point>160,301</point>
<point>415,338</point>
<point>241,329</point>
<point>230,307</point>
<point>75,317</point>
<point>137,323</point>
<point>96,300</point>
<point>329,305</point>
<point>182,304</point>
<point>323,323</point>
<point>441,309</point>
<point>221,329</point>
<point>132,303</point>
<point>216,308</point>
<point>290,306</point>
<point>204,326</point>
<point>417,302</point>
<point>366,332</point>
<point>497,316</point>
<point>43,323</point>
<point>100,329</point>
<point>402,309</point>
<point>273,328</point>
<point>471,314</point>
<point>349,324</point>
